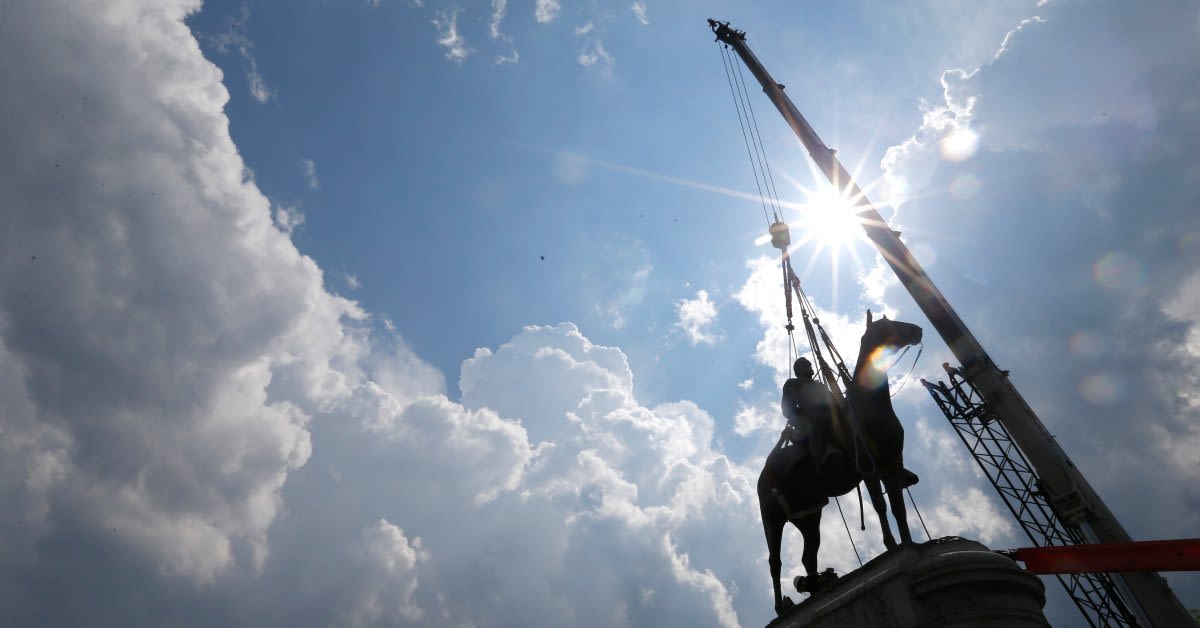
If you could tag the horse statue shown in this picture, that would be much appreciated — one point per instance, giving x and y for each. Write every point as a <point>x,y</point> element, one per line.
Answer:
<point>794,487</point>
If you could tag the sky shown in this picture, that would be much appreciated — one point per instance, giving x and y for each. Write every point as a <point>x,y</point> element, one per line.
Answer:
<point>420,313</point>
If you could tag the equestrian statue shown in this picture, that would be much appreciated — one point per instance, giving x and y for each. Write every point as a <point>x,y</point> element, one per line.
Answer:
<point>827,448</point>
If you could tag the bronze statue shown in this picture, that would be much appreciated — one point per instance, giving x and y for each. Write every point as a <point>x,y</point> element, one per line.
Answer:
<point>865,443</point>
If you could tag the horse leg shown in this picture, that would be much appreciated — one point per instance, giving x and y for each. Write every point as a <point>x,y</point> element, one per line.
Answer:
<point>774,532</point>
<point>895,492</point>
<point>810,529</point>
<point>774,521</point>
<point>876,492</point>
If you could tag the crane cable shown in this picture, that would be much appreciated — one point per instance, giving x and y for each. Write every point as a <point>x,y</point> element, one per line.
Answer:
<point>764,163</point>
<point>745,137</point>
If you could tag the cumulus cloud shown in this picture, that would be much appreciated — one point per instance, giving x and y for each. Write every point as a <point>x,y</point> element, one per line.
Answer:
<point>185,403</point>
<point>155,414</point>
<point>191,408</point>
<point>945,130</point>
<point>448,37</point>
<point>1065,147</point>
<point>387,565</point>
<point>971,514</point>
<point>748,419</point>
<point>696,317</point>
<point>762,294</point>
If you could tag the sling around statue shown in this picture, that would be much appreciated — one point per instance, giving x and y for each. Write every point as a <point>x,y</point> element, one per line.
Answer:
<point>864,442</point>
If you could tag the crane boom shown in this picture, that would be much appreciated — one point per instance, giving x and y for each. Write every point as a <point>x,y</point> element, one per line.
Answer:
<point>1073,498</point>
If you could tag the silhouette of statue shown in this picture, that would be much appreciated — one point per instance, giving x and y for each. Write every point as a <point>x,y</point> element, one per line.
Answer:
<point>809,406</point>
<point>795,485</point>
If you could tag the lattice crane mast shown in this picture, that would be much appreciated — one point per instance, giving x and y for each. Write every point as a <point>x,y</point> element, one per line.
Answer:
<point>1037,474</point>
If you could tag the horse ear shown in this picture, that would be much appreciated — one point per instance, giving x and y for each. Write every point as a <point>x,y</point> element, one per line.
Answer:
<point>885,317</point>
<point>868,317</point>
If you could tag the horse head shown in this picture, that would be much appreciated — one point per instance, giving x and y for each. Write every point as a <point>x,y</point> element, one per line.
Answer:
<point>879,341</point>
<point>884,333</point>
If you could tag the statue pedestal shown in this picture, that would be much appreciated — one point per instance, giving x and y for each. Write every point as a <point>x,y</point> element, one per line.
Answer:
<point>945,582</point>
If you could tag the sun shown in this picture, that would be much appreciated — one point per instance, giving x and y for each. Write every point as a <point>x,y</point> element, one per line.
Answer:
<point>827,218</point>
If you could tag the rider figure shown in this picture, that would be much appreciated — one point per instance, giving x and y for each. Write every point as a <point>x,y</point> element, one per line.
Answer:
<point>808,407</point>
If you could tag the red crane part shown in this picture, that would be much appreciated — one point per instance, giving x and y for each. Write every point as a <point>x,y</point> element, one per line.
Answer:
<point>1174,555</point>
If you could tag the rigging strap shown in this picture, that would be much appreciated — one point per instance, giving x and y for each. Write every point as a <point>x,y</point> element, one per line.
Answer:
<point>908,376</point>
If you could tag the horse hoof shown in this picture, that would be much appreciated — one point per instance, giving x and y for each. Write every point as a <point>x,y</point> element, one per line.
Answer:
<point>784,606</point>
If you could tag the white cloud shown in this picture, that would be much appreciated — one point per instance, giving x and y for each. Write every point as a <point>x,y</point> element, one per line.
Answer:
<point>971,514</point>
<point>236,437</point>
<point>1012,33</point>
<point>352,281</point>
<point>696,317</point>
<point>630,293</point>
<point>233,424</point>
<point>499,9</point>
<point>546,10</point>
<point>876,281</point>
<point>258,86</point>
<point>580,31</point>
<point>175,344</point>
<point>748,420</point>
<point>746,384</point>
<point>387,568</point>
<point>639,12</point>
<point>235,38</point>
<point>594,55</point>
<point>446,23</point>
<point>310,173</point>
<point>762,294</point>
<point>909,165</point>
<point>288,218</point>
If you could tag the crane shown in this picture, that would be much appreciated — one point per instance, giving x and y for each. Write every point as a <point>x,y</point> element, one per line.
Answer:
<point>1073,511</point>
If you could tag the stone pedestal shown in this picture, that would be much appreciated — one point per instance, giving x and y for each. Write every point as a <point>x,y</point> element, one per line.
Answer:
<point>945,582</point>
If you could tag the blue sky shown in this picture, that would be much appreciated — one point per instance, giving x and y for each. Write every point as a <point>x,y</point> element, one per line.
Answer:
<point>424,310</point>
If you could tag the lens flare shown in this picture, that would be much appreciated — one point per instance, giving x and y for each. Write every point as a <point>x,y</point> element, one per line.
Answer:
<point>964,187</point>
<point>1118,271</point>
<point>1088,345</point>
<point>1101,389</point>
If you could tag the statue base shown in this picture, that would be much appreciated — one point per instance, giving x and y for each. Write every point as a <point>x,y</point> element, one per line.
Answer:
<point>946,582</point>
